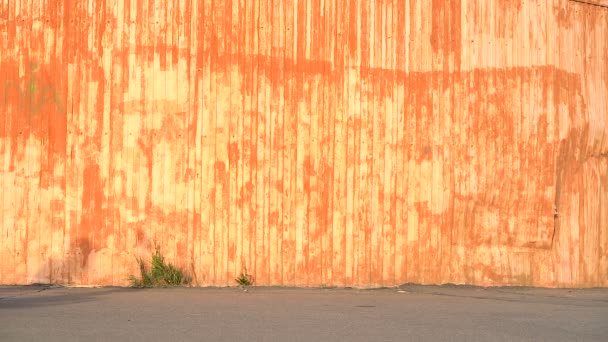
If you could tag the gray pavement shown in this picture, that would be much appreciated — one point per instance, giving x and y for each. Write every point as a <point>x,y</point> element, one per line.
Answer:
<point>408,313</point>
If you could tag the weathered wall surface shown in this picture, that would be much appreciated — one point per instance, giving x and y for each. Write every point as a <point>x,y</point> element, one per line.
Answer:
<point>310,142</point>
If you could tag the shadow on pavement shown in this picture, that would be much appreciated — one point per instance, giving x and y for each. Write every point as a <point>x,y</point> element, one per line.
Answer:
<point>45,295</point>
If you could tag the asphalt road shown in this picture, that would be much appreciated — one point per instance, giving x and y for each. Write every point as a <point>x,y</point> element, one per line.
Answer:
<point>411,313</point>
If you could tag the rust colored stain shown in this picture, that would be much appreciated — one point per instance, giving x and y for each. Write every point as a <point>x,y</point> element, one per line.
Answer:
<point>305,142</point>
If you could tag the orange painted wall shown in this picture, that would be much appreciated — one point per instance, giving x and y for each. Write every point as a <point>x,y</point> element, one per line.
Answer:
<point>311,142</point>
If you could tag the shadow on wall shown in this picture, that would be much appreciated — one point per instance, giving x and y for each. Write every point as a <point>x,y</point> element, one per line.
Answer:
<point>84,265</point>
<point>74,266</point>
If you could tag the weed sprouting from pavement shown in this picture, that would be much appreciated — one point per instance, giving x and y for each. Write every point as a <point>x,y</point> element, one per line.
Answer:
<point>244,279</point>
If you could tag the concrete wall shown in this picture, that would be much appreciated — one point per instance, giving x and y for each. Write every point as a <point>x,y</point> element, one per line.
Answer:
<point>311,142</point>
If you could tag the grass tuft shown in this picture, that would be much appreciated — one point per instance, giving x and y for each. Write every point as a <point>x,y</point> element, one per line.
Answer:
<point>161,273</point>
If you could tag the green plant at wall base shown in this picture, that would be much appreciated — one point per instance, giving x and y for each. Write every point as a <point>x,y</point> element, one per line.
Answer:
<point>145,280</point>
<point>161,273</point>
<point>244,279</point>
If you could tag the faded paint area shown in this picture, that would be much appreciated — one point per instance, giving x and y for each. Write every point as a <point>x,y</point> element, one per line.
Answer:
<point>307,142</point>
